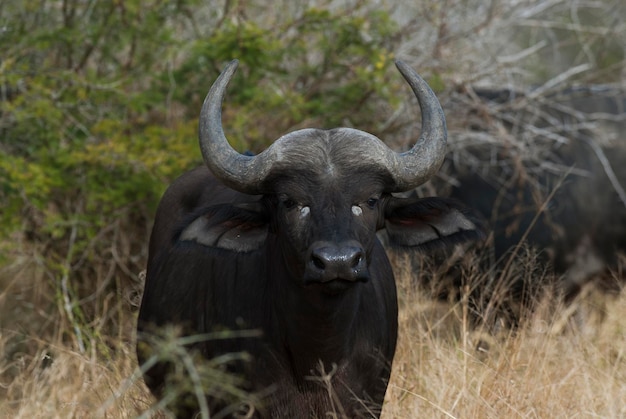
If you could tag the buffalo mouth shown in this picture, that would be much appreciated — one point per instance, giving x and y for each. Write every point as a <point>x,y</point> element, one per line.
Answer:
<point>334,286</point>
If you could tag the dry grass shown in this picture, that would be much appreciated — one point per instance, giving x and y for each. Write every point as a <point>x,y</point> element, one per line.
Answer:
<point>438,372</point>
<point>540,371</point>
<point>74,385</point>
<point>45,371</point>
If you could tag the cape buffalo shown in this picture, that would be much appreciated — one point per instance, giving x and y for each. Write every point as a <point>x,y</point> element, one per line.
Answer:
<point>546,171</point>
<point>286,243</point>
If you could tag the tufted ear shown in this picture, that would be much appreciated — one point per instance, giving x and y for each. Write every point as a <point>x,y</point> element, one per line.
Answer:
<point>239,227</point>
<point>430,222</point>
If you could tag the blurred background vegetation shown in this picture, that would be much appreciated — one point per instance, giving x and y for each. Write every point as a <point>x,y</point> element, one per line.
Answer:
<point>99,103</point>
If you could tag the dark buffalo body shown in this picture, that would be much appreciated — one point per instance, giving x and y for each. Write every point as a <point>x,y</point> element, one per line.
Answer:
<point>553,180</point>
<point>286,243</point>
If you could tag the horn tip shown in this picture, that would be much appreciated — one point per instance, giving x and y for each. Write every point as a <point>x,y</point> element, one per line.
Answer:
<point>401,65</point>
<point>231,66</point>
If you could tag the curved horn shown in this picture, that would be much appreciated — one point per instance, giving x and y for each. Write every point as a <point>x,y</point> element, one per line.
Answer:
<point>247,173</point>
<point>421,162</point>
<point>240,172</point>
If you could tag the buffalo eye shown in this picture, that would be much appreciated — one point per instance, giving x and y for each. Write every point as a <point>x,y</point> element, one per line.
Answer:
<point>289,203</point>
<point>372,202</point>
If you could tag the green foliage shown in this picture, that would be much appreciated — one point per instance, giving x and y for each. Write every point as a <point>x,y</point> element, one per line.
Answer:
<point>328,68</point>
<point>67,71</point>
<point>84,147</point>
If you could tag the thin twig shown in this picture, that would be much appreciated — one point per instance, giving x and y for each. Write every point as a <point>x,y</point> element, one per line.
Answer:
<point>608,170</point>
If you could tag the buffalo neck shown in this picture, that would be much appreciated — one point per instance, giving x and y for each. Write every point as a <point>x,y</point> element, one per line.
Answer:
<point>314,326</point>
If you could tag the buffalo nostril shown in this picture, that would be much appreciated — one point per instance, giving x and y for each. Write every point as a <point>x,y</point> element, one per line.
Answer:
<point>357,259</point>
<point>318,262</point>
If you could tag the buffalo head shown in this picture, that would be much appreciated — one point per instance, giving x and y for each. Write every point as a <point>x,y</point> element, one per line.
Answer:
<point>323,194</point>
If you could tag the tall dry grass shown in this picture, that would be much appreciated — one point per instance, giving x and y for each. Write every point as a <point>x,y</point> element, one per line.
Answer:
<point>444,368</point>
<point>562,362</point>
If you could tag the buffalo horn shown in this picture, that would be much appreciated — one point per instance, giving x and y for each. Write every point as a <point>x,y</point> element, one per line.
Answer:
<point>240,172</point>
<point>417,165</point>
<point>247,173</point>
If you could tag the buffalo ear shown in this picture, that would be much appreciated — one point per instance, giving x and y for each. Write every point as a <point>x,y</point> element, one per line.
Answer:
<point>240,228</point>
<point>430,222</point>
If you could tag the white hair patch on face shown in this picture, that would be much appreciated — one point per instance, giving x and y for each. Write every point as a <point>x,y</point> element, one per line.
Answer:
<point>304,211</point>
<point>356,210</point>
